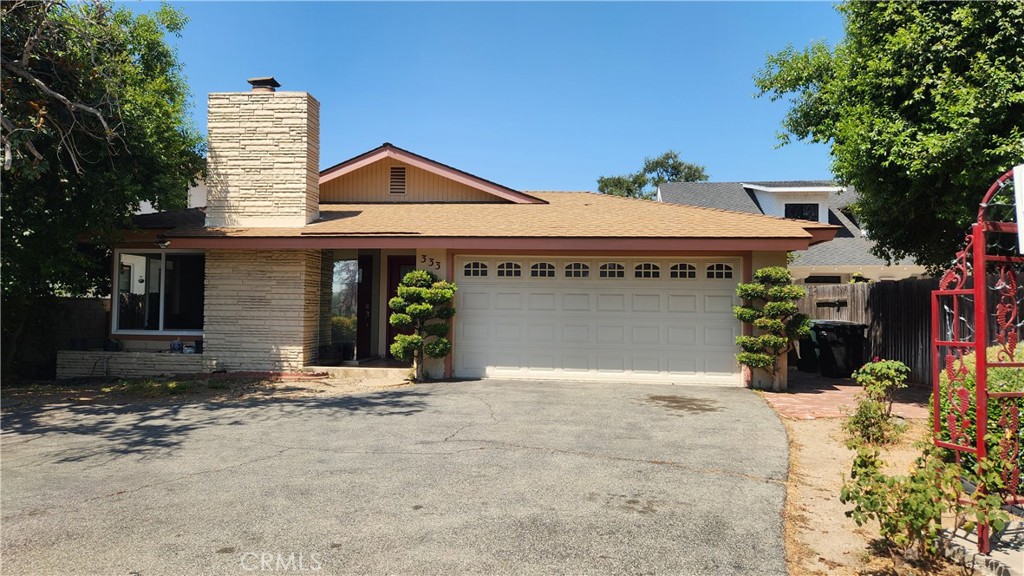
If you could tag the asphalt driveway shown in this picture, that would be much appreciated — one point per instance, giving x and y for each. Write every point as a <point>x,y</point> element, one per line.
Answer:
<point>472,477</point>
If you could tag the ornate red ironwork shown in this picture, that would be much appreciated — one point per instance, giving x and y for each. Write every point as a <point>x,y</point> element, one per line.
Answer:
<point>973,343</point>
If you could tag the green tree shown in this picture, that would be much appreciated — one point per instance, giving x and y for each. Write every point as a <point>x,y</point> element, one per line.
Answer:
<point>769,305</point>
<point>922,104</point>
<point>95,121</point>
<point>424,305</point>
<point>656,171</point>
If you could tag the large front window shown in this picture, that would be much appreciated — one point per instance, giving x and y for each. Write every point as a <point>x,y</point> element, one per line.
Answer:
<point>160,292</point>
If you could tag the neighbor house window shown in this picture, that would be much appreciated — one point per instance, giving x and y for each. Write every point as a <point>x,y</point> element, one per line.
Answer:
<point>683,271</point>
<point>160,291</point>
<point>509,270</point>
<point>612,270</point>
<point>475,269</point>
<point>719,271</point>
<point>823,280</point>
<point>646,270</point>
<point>802,211</point>
<point>542,270</point>
<point>577,270</point>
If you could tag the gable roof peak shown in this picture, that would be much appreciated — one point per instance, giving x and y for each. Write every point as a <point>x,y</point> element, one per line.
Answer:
<point>389,150</point>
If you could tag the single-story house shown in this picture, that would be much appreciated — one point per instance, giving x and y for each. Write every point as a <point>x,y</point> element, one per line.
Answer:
<point>553,285</point>
<point>846,257</point>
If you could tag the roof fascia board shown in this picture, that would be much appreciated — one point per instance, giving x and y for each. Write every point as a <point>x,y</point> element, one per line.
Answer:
<point>611,245</point>
<point>827,189</point>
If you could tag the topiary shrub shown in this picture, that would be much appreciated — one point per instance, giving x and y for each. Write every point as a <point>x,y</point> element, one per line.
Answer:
<point>423,304</point>
<point>769,305</point>
<point>1005,452</point>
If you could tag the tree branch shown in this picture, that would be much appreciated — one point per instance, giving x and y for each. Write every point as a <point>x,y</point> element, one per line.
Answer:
<point>9,147</point>
<point>30,43</point>
<point>19,71</point>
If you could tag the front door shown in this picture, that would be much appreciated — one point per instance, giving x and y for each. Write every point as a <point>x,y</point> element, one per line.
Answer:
<point>398,267</point>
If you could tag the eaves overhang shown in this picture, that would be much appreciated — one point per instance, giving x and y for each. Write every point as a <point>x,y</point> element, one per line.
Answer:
<point>415,241</point>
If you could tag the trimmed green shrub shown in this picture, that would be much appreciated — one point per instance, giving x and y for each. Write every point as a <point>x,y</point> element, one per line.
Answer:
<point>423,304</point>
<point>769,304</point>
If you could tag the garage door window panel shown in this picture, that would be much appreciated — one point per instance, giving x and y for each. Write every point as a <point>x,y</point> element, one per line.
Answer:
<point>683,271</point>
<point>475,269</point>
<point>509,270</point>
<point>612,270</point>
<point>577,270</point>
<point>719,272</point>
<point>542,270</point>
<point>647,270</point>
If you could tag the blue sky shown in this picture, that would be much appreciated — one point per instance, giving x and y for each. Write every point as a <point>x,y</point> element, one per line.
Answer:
<point>535,96</point>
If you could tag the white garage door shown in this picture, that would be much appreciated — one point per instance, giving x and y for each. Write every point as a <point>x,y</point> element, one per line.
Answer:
<point>657,320</point>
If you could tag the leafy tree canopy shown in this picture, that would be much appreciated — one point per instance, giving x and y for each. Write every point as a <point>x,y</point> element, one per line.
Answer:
<point>644,184</point>
<point>923,106</point>
<point>95,121</point>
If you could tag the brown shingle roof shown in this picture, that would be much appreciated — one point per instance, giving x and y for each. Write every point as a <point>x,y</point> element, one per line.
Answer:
<point>187,218</point>
<point>565,215</point>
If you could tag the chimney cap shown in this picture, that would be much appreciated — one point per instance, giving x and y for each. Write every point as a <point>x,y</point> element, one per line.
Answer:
<point>264,84</point>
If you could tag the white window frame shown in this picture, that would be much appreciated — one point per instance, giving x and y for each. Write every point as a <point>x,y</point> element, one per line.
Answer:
<point>611,270</point>
<point>683,271</point>
<point>475,269</point>
<point>647,271</point>
<point>719,271</point>
<point>509,269</point>
<point>542,270</point>
<point>577,270</point>
<point>115,300</point>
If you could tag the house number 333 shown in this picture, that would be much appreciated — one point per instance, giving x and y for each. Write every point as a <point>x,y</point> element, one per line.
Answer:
<point>430,262</point>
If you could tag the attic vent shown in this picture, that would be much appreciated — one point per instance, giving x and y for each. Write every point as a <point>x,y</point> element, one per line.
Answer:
<point>397,180</point>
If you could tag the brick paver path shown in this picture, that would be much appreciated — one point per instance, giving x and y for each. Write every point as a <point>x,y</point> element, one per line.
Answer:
<point>814,396</point>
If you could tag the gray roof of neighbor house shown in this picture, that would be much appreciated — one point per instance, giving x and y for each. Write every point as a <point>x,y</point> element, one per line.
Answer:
<point>849,248</point>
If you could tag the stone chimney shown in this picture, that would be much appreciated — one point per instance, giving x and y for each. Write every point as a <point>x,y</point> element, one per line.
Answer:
<point>264,157</point>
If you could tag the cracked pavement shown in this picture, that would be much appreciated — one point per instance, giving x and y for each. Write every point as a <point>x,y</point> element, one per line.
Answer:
<point>487,477</point>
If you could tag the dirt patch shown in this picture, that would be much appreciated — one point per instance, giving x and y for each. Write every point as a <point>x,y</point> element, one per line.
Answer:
<point>820,539</point>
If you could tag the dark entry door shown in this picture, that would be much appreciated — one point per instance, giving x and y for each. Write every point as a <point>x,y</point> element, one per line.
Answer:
<point>364,305</point>
<point>398,267</point>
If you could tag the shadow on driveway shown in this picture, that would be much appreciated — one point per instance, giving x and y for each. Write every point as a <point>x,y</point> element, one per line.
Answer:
<point>149,427</point>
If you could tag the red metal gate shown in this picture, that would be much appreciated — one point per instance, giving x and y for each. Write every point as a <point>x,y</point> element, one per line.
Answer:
<point>976,329</point>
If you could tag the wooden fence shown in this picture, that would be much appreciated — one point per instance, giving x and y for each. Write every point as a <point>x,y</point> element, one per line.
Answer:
<point>897,314</point>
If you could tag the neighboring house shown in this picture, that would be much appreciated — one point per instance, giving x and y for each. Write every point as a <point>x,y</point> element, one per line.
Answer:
<point>838,261</point>
<point>559,285</point>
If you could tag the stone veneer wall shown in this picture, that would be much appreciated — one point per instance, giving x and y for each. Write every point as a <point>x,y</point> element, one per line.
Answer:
<point>96,363</point>
<point>264,159</point>
<point>262,308</point>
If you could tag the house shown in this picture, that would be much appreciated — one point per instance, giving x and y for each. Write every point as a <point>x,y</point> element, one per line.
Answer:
<point>553,285</point>
<point>846,257</point>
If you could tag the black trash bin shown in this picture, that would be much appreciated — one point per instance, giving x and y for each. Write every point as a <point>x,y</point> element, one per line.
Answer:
<point>841,346</point>
<point>808,361</point>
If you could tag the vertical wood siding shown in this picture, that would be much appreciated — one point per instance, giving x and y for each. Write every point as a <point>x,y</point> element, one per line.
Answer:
<point>370,184</point>
<point>898,316</point>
